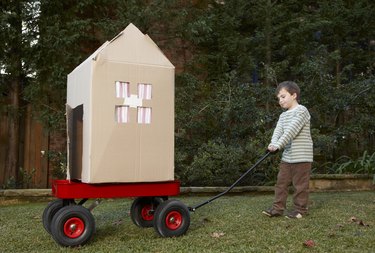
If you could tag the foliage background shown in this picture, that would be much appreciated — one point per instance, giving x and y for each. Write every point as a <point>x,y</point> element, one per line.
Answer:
<point>229,57</point>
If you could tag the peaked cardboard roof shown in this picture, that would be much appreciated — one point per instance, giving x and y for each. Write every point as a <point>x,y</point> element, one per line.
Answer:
<point>132,46</point>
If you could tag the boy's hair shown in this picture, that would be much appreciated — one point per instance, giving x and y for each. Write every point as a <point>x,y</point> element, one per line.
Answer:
<point>290,87</point>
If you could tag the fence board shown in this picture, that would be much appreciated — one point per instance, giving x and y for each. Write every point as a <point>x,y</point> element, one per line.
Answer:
<point>3,146</point>
<point>27,141</point>
<point>35,138</point>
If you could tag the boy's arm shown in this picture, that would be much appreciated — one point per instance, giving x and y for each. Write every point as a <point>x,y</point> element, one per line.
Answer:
<point>297,123</point>
<point>277,132</point>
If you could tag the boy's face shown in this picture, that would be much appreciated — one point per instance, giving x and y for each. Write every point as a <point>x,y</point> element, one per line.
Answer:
<point>287,100</point>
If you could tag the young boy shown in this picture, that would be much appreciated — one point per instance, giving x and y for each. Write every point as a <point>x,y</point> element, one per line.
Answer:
<point>292,134</point>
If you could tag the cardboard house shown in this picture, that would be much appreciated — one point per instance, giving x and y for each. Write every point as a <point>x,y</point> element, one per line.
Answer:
<point>120,113</point>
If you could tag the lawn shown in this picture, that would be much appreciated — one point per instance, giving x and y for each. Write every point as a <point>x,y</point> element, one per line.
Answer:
<point>338,222</point>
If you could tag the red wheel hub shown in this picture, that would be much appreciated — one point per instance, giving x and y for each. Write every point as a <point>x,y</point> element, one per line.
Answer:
<point>147,213</point>
<point>173,220</point>
<point>74,227</point>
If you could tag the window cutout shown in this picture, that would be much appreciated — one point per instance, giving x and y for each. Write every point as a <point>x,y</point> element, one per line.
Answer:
<point>122,89</point>
<point>144,91</point>
<point>122,114</point>
<point>144,115</point>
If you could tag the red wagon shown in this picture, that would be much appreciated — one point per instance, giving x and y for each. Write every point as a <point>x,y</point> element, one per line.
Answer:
<point>72,224</point>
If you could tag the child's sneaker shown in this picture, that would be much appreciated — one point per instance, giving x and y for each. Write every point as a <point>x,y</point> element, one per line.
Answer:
<point>294,215</point>
<point>271,212</point>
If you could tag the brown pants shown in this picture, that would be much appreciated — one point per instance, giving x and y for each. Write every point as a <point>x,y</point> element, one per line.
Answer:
<point>299,175</point>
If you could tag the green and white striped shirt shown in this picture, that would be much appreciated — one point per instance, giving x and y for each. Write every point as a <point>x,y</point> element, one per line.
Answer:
<point>292,133</point>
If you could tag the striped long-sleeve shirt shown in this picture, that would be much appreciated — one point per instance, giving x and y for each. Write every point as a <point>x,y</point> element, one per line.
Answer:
<point>292,133</point>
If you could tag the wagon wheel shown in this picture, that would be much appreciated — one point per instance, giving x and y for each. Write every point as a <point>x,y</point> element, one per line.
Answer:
<point>50,211</point>
<point>72,226</point>
<point>143,209</point>
<point>172,218</point>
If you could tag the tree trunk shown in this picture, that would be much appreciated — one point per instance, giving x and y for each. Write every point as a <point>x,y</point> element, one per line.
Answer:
<point>12,160</point>
<point>268,35</point>
<point>15,77</point>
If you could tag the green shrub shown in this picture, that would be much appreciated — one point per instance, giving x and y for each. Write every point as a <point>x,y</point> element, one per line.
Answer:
<point>347,165</point>
<point>58,161</point>
<point>215,164</point>
<point>219,164</point>
<point>23,181</point>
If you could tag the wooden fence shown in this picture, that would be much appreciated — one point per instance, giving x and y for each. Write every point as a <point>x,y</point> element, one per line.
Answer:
<point>35,167</point>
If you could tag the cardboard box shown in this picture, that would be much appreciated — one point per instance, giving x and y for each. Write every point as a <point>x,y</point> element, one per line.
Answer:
<point>120,113</point>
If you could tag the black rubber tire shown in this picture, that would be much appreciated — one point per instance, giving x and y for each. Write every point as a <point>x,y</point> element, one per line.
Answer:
<point>143,209</point>
<point>172,218</point>
<point>73,226</point>
<point>49,212</point>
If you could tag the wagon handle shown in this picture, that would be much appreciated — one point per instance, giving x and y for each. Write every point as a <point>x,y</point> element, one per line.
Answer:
<point>192,209</point>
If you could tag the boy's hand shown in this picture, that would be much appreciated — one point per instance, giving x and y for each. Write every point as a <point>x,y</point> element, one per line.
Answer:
<point>272,148</point>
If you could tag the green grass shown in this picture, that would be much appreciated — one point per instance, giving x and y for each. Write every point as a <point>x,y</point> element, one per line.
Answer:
<point>229,224</point>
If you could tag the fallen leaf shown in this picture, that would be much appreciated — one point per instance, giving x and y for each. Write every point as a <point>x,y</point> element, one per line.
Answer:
<point>358,221</point>
<point>353,219</point>
<point>363,224</point>
<point>309,243</point>
<point>204,220</point>
<point>217,234</point>
<point>117,222</point>
<point>339,226</point>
